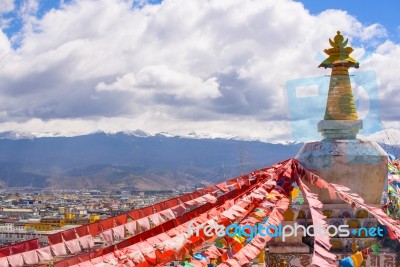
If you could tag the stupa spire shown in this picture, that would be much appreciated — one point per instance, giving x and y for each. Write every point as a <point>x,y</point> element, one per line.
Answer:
<point>341,118</point>
<point>340,104</point>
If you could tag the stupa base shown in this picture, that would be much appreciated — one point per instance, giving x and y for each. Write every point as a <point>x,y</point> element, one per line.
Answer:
<point>339,129</point>
<point>359,165</point>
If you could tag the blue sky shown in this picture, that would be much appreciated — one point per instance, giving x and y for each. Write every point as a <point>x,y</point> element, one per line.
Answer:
<point>384,12</point>
<point>213,67</point>
<point>15,18</point>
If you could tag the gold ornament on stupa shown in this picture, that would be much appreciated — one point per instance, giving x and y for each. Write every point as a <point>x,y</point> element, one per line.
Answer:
<point>340,104</point>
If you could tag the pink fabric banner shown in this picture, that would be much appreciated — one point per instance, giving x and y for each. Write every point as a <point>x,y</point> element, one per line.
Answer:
<point>144,224</point>
<point>192,202</point>
<point>210,198</point>
<point>136,257</point>
<point>30,257</point>
<point>257,196</point>
<point>212,252</point>
<point>131,227</point>
<point>231,214</point>
<point>44,254</point>
<point>233,263</point>
<point>4,262</point>
<point>107,236</point>
<point>163,237</point>
<point>86,241</point>
<point>179,210</point>
<point>176,243</point>
<point>110,259</point>
<point>242,257</point>
<point>238,208</point>
<point>97,260</point>
<point>59,249</point>
<point>15,260</point>
<point>153,240</point>
<point>228,214</point>
<point>156,219</point>
<point>323,257</point>
<point>73,246</point>
<point>119,232</point>
<point>126,263</point>
<point>168,214</point>
<point>86,264</point>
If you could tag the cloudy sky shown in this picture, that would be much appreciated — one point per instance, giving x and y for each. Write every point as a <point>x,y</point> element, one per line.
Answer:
<point>241,67</point>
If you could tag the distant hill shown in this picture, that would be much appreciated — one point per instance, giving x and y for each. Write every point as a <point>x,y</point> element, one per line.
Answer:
<point>133,160</point>
<point>136,159</point>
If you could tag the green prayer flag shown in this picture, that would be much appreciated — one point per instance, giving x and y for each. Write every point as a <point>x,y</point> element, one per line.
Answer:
<point>391,189</point>
<point>375,248</point>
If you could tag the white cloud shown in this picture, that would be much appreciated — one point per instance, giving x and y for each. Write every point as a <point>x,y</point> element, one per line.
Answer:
<point>384,61</point>
<point>4,44</point>
<point>6,6</point>
<point>182,65</point>
<point>153,80</point>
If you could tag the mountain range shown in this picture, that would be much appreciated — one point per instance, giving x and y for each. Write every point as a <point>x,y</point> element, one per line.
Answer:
<point>132,160</point>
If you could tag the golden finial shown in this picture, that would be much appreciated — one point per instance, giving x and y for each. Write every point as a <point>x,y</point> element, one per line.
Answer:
<point>339,53</point>
<point>338,41</point>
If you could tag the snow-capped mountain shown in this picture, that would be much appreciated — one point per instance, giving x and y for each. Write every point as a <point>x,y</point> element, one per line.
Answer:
<point>388,136</point>
<point>16,135</point>
<point>137,133</point>
<point>196,135</point>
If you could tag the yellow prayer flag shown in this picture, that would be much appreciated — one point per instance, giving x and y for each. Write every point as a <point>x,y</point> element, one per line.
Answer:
<point>295,192</point>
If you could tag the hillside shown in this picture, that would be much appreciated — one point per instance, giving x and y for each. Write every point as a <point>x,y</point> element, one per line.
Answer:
<point>124,160</point>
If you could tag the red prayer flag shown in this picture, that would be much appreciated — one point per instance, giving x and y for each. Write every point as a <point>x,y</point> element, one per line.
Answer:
<point>69,234</point>
<point>94,228</point>
<point>82,230</point>
<point>18,248</point>
<point>121,219</point>
<point>32,244</point>
<point>55,238</point>
<point>107,223</point>
<point>5,251</point>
